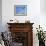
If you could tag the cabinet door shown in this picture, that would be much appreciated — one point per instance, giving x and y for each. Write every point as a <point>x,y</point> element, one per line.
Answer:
<point>20,37</point>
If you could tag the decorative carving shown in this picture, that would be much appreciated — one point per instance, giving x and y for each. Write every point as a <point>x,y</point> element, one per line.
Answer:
<point>20,36</point>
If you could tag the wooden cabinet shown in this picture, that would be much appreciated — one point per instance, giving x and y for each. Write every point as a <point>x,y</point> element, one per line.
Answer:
<point>22,33</point>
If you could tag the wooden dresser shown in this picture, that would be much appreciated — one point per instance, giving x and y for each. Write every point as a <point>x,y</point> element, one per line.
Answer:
<point>22,33</point>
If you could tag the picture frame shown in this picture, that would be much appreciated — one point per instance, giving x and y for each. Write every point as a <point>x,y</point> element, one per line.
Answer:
<point>20,10</point>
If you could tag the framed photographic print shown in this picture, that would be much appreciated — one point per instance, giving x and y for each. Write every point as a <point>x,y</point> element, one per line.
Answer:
<point>20,10</point>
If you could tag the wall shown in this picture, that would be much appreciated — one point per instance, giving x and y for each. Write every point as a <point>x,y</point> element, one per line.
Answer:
<point>33,10</point>
<point>0,15</point>
<point>33,14</point>
<point>43,14</point>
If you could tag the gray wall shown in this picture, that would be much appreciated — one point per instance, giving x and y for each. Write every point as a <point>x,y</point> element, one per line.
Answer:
<point>0,15</point>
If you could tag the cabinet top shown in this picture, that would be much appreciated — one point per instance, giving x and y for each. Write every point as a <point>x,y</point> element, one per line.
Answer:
<point>19,23</point>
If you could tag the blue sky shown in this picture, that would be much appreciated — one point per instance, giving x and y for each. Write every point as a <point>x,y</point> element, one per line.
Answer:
<point>20,9</point>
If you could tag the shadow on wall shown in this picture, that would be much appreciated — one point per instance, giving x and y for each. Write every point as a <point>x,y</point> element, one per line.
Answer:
<point>43,6</point>
<point>0,15</point>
